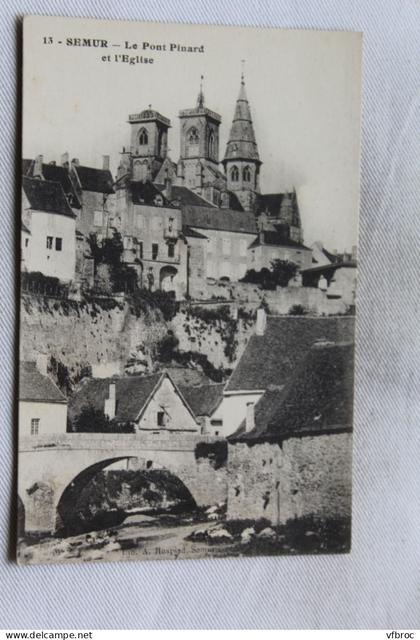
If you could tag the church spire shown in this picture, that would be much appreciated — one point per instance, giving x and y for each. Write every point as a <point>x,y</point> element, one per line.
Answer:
<point>200,97</point>
<point>242,144</point>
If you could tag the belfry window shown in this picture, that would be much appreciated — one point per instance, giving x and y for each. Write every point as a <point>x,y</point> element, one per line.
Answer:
<point>212,146</point>
<point>234,174</point>
<point>193,140</point>
<point>143,137</point>
<point>246,174</point>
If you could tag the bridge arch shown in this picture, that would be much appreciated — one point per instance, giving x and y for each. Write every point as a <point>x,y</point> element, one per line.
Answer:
<point>67,520</point>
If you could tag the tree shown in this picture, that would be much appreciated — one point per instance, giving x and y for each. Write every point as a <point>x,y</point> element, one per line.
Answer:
<point>283,271</point>
<point>92,420</point>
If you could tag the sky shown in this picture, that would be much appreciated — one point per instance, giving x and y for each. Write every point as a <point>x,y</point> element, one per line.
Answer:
<point>304,90</point>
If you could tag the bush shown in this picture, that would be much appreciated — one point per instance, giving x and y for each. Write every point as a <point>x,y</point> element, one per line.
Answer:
<point>281,272</point>
<point>166,347</point>
<point>143,300</point>
<point>91,420</point>
<point>118,277</point>
<point>215,452</point>
<point>297,310</point>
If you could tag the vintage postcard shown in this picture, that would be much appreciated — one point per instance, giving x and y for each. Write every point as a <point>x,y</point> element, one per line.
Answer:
<point>188,270</point>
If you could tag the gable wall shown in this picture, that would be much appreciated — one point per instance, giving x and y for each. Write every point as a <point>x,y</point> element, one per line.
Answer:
<point>177,415</point>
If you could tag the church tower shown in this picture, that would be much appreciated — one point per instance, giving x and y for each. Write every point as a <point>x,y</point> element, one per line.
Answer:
<point>199,143</point>
<point>242,162</point>
<point>149,143</point>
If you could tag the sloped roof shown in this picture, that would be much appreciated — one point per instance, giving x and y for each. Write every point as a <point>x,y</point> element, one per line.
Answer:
<point>190,233</point>
<point>48,196</point>
<point>271,359</point>
<point>146,192</point>
<point>24,228</point>
<point>132,393</point>
<point>203,399</point>
<point>97,180</point>
<point>242,144</point>
<point>35,387</point>
<point>185,196</point>
<point>220,219</point>
<point>54,173</point>
<point>274,238</point>
<point>234,202</point>
<point>282,206</point>
<point>317,399</point>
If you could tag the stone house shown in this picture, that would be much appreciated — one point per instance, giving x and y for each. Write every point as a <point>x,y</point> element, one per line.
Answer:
<point>42,406</point>
<point>291,457</point>
<point>274,245</point>
<point>50,245</point>
<point>205,401</point>
<point>271,356</point>
<point>148,403</point>
<point>154,243</point>
<point>95,191</point>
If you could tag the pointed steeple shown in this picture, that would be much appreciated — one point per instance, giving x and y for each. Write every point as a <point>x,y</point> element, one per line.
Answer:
<point>200,97</point>
<point>242,144</point>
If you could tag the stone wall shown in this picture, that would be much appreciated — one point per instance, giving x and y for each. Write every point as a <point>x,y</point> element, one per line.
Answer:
<point>309,476</point>
<point>81,334</point>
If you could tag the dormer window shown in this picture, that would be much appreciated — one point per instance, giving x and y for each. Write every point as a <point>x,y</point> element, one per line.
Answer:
<point>143,137</point>
<point>234,174</point>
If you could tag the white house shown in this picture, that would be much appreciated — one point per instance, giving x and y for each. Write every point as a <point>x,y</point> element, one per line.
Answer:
<point>50,248</point>
<point>42,406</point>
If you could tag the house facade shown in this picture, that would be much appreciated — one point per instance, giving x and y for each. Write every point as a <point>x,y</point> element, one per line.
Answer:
<point>51,243</point>
<point>272,245</point>
<point>42,406</point>
<point>147,403</point>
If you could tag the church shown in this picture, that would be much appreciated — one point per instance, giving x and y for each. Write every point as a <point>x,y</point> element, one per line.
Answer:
<point>186,226</point>
<point>199,220</point>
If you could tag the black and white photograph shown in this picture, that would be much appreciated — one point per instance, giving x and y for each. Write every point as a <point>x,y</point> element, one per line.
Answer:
<point>189,217</point>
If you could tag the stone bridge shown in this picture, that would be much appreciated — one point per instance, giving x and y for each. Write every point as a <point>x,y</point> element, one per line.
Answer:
<point>53,469</point>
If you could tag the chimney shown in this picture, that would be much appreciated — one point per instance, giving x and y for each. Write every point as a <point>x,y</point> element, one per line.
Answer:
<point>65,160</point>
<point>168,188</point>
<point>111,402</point>
<point>261,322</point>
<point>42,363</point>
<point>250,416</point>
<point>105,163</point>
<point>37,173</point>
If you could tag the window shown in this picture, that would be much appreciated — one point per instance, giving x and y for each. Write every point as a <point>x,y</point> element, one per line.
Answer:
<point>216,422</point>
<point>143,137</point>
<point>193,140</point>
<point>246,174</point>
<point>234,174</point>
<point>98,218</point>
<point>49,242</point>
<point>161,418</point>
<point>171,250</point>
<point>141,250</point>
<point>26,242</point>
<point>34,426</point>
<point>58,244</point>
<point>155,251</point>
<point>212,145</point>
